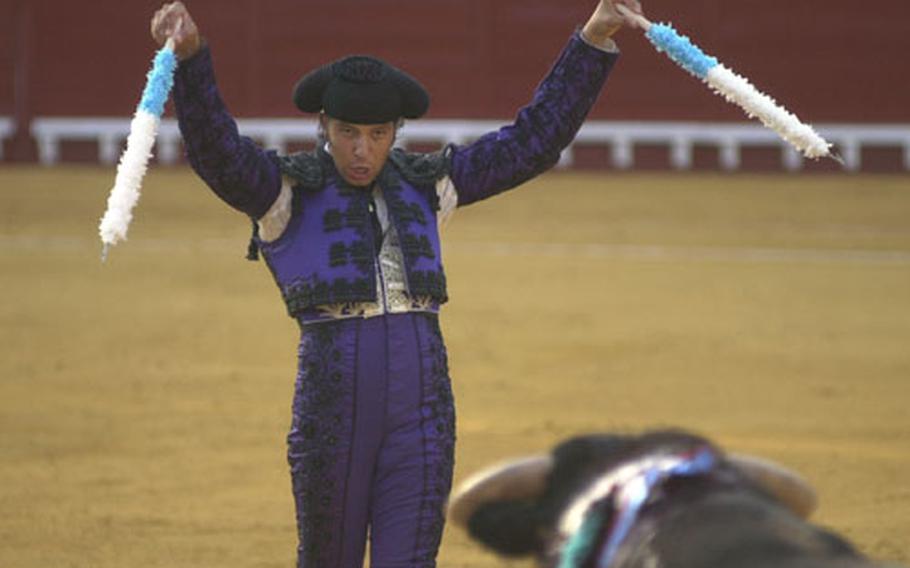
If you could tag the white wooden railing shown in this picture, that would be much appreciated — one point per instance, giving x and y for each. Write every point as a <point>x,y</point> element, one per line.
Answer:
<point>7,129</point>
<point>618,138</point>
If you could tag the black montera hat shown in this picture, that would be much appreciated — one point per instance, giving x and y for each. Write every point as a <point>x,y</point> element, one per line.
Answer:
<point>362,90</point>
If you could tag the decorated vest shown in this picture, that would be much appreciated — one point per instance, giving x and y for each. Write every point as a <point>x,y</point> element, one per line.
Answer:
<point>326,253</point>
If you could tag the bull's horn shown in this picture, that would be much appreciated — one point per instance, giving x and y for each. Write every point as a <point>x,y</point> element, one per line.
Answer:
<point>523,478</point>
<point>786,485</point>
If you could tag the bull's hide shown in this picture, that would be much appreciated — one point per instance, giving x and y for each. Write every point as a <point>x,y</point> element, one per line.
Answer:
<point>666,499</point>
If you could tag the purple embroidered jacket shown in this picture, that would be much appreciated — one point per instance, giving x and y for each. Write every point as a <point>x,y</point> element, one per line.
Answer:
<point>324,256</point>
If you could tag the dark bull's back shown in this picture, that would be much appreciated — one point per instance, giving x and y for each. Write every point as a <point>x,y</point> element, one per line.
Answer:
<point>719,516</point>
<point>701,523</point>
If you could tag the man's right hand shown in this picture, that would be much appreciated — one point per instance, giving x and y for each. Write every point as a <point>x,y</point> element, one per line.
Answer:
<point>173,20</point>
<point>606,20</point>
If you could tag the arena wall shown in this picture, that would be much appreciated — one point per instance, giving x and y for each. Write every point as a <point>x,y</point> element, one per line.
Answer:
<point>827,61</point>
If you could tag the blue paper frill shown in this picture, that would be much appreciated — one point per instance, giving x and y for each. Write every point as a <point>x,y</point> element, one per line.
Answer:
<point>681,50</point>
<point>160,81</point>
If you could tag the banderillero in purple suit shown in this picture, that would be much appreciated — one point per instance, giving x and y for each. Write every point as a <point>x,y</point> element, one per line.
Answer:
<point>371,445</point>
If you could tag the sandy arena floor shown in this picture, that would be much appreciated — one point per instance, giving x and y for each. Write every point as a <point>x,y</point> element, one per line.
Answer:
<point>144,403</point>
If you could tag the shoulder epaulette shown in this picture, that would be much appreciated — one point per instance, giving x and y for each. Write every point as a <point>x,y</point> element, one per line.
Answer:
<point>422,169</point>
<point>304,167</point>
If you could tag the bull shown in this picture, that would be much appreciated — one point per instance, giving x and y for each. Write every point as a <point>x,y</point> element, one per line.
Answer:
<point>663,499</point>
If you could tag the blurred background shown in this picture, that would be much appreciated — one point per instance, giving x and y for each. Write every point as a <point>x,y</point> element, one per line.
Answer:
<point>831,64</point>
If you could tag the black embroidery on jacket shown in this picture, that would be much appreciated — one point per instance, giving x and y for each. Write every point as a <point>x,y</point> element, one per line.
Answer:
<point>303,295</point>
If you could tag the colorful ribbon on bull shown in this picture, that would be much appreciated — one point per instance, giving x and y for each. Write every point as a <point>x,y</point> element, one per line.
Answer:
<point>734,88</point>
<point>628,488</point>
<point>135,158</point>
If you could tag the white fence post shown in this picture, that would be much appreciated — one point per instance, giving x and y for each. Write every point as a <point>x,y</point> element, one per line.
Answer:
<point>623,153</point>
<point>7,128</point>
<point>793,160</point>
<point>729,156</point>
<point>681,153</point>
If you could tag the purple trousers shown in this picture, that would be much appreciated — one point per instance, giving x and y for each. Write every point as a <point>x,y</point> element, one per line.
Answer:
<point>371,446</point>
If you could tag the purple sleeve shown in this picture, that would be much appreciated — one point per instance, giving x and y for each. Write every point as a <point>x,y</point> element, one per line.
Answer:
<point>513,154</point>
<point>241,173</point>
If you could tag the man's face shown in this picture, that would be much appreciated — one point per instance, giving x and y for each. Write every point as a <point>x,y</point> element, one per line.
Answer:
<point>359,150</point>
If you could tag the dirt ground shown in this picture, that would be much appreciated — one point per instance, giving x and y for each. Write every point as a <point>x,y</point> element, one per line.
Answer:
<point>144,402</point>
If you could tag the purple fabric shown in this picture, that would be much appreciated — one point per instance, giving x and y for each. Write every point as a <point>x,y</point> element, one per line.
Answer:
<point>372,441</point>
<point>244,175</point>
<point>531,145</point>
<point>326,254</point>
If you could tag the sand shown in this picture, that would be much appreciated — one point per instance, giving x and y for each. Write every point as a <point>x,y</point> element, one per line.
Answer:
<point>144,402</point>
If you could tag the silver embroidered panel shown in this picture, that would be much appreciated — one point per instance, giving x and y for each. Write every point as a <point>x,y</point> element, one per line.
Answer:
<point>391,282</point>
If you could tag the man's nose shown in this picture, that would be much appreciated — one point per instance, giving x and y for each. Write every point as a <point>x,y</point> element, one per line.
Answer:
<point>360,147</point>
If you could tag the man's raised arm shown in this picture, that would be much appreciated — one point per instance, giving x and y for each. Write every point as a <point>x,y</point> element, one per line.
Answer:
<point>505,158</point>
<point>235,167</point>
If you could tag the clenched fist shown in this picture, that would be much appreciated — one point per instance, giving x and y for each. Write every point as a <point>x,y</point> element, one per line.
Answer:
<point>606,20</point>
<point>173,20</point>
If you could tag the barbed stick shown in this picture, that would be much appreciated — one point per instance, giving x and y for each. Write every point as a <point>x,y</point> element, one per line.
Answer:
<point>734,88</point>
<point>134,161</point>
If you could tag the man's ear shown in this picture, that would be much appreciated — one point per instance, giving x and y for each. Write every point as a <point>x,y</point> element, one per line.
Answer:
<point>397,127</point>
<point>323,126</point>
<point>510,528</point>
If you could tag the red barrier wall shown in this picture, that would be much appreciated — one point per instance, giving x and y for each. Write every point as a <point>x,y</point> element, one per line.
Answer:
<point>826,61</point>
